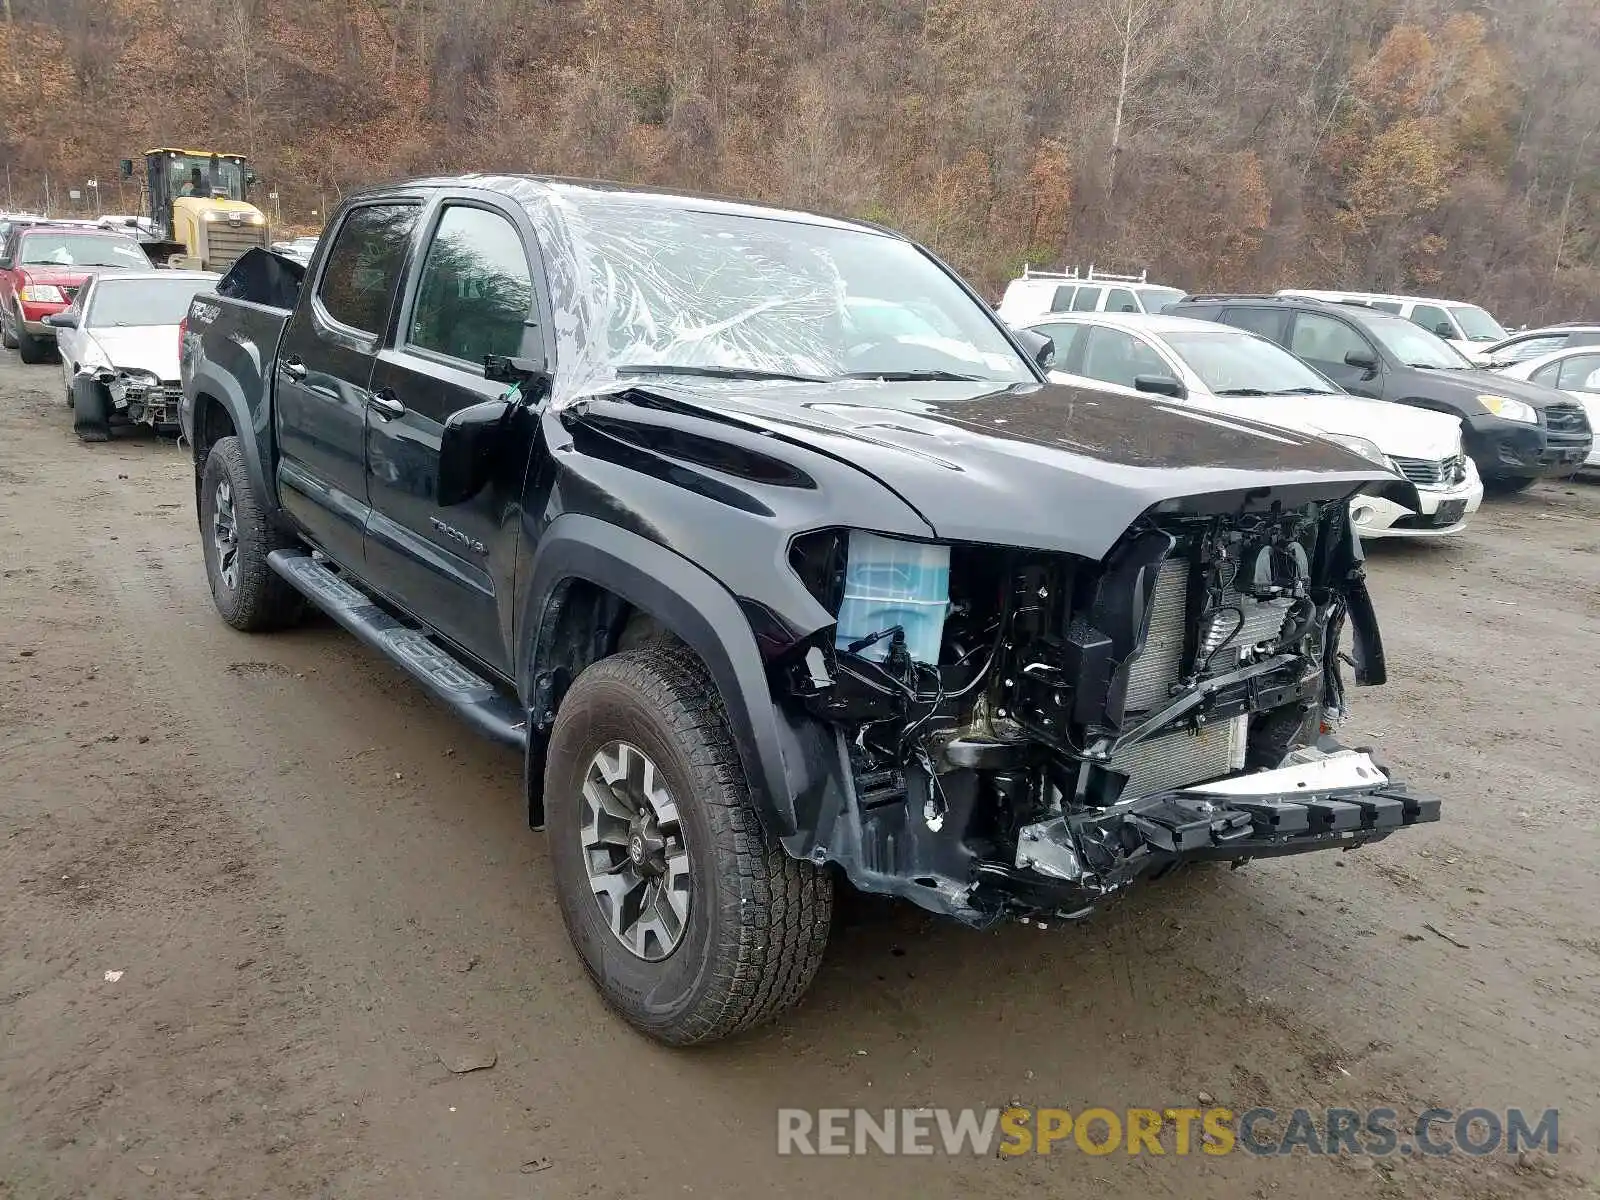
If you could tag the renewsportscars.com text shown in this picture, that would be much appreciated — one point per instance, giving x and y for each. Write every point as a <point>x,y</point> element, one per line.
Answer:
<point>982,1132</point>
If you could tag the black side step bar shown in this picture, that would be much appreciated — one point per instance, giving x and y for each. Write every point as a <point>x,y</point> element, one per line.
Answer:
<point>476,700</point>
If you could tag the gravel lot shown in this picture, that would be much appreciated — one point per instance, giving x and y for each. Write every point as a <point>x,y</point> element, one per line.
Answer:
<point>315,884</point>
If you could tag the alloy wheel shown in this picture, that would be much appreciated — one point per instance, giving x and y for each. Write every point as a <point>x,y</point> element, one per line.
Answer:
<point>633,849</point>
<point>225,535</point>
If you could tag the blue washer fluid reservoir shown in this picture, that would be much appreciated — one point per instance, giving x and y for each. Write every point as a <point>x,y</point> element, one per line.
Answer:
<point>892,582</point>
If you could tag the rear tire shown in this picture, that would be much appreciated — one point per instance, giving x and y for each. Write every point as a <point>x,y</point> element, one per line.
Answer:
<point>648,723</point>
<point>236,538</point>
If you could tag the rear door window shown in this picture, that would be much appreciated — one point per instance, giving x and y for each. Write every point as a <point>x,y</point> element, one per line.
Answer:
<point>1087,299</point>
<point>1121,300</point>
<point>1270,323</point>
<point>365,263</point>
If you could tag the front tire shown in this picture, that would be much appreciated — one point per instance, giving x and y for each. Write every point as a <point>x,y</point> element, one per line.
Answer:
<point>236,538</point>
<point>8,339</point>
<point>691,920</point>
<point>33,350</point>
<point>91,410</point>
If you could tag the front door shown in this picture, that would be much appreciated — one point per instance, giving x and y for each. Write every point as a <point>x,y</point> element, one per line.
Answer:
<point>451,567</point>
<point>324,363</point>
<point>1324,342</point>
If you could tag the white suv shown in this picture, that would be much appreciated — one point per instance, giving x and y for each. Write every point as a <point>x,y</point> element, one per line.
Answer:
<point>1039,293</point>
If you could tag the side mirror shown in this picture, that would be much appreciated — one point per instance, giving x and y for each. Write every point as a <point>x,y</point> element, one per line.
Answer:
<point>1365,359</point>
<point>1160,385</point>
<point>468,449</point>
<point>127,168</point>
<point>1445,330</point>
<point>1041,348</point>
<point>62,320</point>
<point>250,178</point>
<point>6,264</point>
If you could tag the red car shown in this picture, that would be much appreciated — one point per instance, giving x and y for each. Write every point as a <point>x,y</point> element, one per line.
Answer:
<point>41,269</point>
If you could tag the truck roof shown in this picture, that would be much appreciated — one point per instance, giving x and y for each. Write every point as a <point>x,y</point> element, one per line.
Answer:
<point>555,188</point>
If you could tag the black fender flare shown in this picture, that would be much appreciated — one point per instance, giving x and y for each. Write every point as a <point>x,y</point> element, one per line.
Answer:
<point>777,752</point>
<point>250,424</point>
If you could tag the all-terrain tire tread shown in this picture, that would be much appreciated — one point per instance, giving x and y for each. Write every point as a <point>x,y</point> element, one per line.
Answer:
<point>785,906</point>
<point>264,599</point>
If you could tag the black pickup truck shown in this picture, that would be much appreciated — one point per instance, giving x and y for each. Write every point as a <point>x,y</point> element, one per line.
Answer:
<point>781,560</point>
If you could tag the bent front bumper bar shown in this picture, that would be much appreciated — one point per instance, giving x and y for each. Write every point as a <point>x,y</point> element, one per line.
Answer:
<point>1325,801</point>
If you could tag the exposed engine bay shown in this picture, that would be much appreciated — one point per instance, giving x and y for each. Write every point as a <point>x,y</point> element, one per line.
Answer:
<point>132,396</point>
<point>1028,733</point>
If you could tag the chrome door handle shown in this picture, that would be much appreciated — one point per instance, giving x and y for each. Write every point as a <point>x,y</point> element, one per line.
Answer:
<point>386,405</point>
<point>293,368</point>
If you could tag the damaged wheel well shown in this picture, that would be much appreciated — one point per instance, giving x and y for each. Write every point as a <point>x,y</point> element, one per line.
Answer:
<point>585,623</point>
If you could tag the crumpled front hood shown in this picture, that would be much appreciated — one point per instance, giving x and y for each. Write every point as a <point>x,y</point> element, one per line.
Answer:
<point>141,348</point>
<point>1048,467</point>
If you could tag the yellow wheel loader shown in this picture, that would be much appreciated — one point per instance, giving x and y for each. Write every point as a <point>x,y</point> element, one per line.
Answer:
<point>199,209</point>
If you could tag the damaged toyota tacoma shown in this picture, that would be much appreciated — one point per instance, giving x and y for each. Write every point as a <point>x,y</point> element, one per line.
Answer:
<point>781,562</point>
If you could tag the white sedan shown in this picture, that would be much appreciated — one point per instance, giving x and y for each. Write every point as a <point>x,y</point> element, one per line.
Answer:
<point>1575,371</point>
<point>119,346</point>
<point>1234,372</point>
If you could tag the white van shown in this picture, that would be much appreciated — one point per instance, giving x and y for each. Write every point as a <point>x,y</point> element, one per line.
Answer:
<point>1039,293</point>
<point>1467,327</point>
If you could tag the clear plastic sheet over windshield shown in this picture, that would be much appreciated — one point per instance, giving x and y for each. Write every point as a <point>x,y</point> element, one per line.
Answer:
<point>639,282</point>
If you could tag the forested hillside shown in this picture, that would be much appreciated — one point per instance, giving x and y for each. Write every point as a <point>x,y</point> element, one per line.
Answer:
<point>1430,145</point>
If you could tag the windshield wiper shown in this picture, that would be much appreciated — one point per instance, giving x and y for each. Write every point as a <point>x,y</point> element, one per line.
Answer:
<point>715,372</point>
<point>1441,366</point>
<point>914,376</point>
<point>1304,391</point>
<point>1241,392</point>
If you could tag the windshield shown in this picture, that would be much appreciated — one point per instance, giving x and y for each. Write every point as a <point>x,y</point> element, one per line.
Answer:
<point>1157,298</point>
<point>200,175</point>
<point>1241,363</point>
<point>44,249</point>
<point>143,301</point>
<point>669,286</point>
<point>1478,325</point>
<point>1414,345</point>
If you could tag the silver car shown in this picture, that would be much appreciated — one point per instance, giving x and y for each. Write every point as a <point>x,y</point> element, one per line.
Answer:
<point>119,347</point>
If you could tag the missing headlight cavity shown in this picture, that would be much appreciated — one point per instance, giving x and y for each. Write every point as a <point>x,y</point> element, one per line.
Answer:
<point>894,588</point>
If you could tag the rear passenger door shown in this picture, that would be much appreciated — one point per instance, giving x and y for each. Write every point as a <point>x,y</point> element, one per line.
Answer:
<point>472,294</point>
<point>1323,341</point>
<point>322,369</point>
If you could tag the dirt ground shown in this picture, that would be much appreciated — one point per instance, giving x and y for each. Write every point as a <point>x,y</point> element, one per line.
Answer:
<point>315,883</point>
